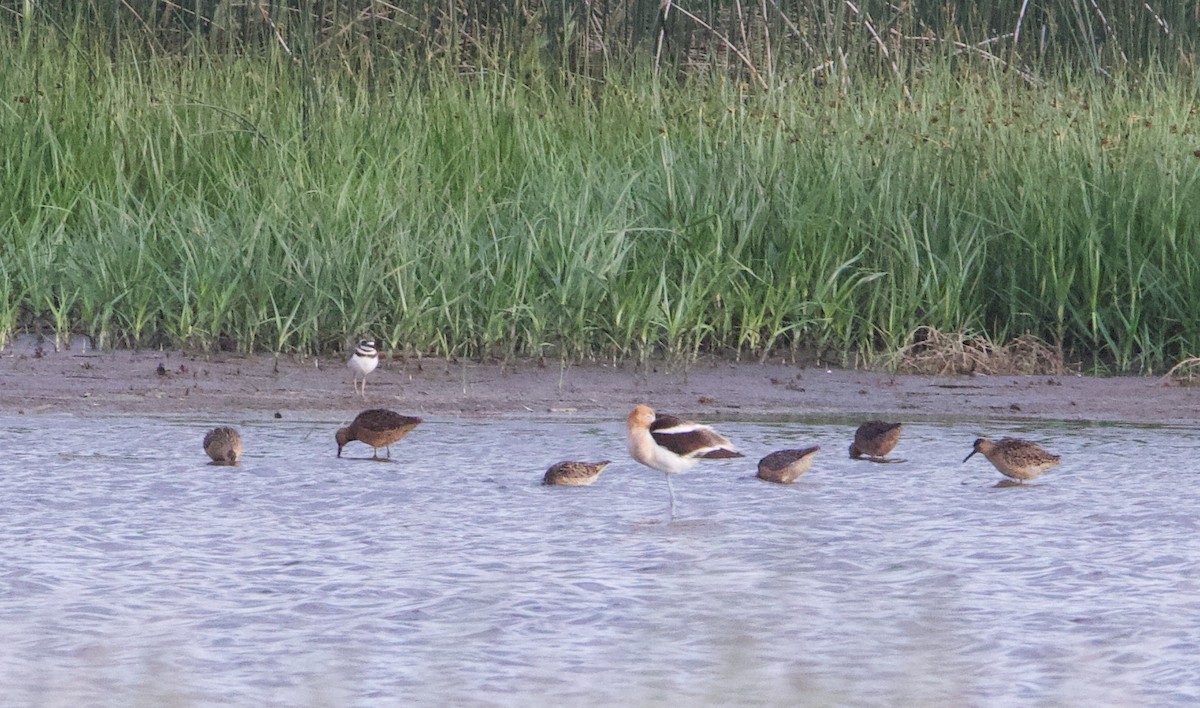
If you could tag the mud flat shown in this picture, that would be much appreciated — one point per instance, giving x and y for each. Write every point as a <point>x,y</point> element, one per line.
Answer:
<point>35,378</point>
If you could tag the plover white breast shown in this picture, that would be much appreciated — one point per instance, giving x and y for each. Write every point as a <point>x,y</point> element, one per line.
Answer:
<point>363,361</point>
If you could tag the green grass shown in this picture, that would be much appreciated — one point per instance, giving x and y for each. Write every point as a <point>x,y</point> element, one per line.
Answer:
<point>251,202</point>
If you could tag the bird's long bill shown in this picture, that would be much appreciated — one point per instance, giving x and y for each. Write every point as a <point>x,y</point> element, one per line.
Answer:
<point>969,456</point>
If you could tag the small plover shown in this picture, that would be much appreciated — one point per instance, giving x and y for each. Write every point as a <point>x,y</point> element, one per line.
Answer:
<point>364,361</point>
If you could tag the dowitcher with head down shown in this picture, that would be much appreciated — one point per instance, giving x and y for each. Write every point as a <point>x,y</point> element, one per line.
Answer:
<point>873,440</point>
<point>223,445</point>
<point>574,474</point>
<point>378,428</point>
<point>784,466</point>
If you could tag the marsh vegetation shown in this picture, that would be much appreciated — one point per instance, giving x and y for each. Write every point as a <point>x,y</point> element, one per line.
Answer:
<point>476,180</point>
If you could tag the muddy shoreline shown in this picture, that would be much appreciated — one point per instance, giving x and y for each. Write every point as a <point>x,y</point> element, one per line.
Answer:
<point>39,380</point>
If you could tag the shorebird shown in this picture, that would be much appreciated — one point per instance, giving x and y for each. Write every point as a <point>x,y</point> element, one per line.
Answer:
<point>363,361</point>
<point>223,445</point>
<point>784,466</point>
<point>873,440</point>
<point>575,474</point>
<point>378,428</point>
<point>1019,459</point>
<point>670,445</point>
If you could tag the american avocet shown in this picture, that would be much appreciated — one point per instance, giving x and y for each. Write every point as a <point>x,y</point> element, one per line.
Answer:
<point>1019,459</point>
<point>573,473</point>
<point>873,440</point>
<point>363,361</point>
<point>671,445</point>
<point>378,428</point>
<point>223,445</point>
<point>784,466</point>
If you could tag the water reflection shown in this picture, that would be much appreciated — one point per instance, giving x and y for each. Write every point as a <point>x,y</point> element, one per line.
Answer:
<point>136,571</point>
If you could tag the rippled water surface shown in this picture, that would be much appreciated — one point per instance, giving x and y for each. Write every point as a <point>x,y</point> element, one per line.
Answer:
<point>132,571</point>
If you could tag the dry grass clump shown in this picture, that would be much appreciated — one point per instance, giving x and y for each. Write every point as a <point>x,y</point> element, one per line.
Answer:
<point>1185,372</point>
<point>931,351</point>
<point>1029,354</point>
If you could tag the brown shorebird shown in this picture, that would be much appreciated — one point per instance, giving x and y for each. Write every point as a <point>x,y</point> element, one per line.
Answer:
<point>223,445</point>
<point>574,474</point>
<point>378,428</point>
<point>363,361</point>
<point>670,445</point>
<point>1019,459</point>
<point>784,466</point>
<point>873,440</point>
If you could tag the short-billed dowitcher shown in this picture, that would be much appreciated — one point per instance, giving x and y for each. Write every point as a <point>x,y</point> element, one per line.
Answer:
<point>784,466</point>
<point>223,445</point>
<point>1018,459</point>
<point>363,361</point>
<point>670,445</point>
<point>873,440</point>
<point>378,428</point>
<point>574,474</point>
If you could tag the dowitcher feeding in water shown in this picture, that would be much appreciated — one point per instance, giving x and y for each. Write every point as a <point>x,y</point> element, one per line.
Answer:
<point>1019,459</point>
<point>378,428</point>
<point>670,445</point>
<point>223,445</point>
<point>574,474</point>
<point>873,440</point>
<point>784,466</point>
<point>363,361</point>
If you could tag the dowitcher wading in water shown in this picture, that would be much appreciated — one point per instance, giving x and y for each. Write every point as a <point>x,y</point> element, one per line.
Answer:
<point>1018,459</point>
<point>378,428</point>
<point>223,445</point>
<point>873,440</point>
<point>574,474</point>
<point>784,466</point>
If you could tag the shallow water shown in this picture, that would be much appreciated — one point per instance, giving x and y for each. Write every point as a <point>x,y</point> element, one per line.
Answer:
<point>134,572</point>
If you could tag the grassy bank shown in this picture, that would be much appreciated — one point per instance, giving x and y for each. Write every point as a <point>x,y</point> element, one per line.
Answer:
<point>252,202</point>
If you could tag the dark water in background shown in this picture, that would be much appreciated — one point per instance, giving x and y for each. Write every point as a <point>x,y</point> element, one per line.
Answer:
<point>133,572</point>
